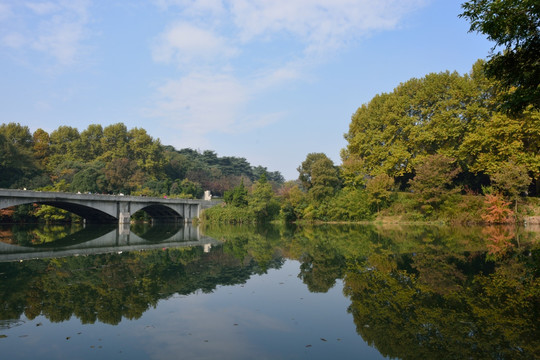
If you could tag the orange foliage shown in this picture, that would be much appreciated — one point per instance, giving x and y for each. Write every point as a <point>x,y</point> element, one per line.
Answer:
<point>499,239</point>
<point>497,210</point>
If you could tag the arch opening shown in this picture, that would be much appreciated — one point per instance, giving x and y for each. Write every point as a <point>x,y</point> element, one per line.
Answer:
<point>90,214</point>
<point>162,214</point>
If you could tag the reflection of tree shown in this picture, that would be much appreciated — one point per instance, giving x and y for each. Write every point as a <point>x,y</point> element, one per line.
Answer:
<point>439,271</point>
<point>483,314</point>
<point>499,239</point>
<point>415,292</point>
<point>109,287</point>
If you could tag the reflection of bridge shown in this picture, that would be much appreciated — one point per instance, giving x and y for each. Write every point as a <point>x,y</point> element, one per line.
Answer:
<point>106,240</point>
<point>109,208</point>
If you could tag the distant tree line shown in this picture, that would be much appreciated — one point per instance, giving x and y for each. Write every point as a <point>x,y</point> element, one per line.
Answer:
<point>462,148</point>
<point>113,159</point>
<point>436,148</point>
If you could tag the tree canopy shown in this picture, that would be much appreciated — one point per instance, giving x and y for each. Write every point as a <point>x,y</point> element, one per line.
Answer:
<point>115,159</point>
<point>442,113</point>
<point>514,26</point>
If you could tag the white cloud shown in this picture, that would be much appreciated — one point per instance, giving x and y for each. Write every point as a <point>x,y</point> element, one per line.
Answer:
<point>13,40</point>
<point>185,43</point>
<point>211,35</point>
<point>320,24</point>
<point>55,28</point>
<point>198,104</point>
<point>5,11</point>
<point>205,8</point>
<point>42,8</point>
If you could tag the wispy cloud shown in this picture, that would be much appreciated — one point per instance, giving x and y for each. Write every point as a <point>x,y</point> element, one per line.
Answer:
<point>318,24</point>
<point>217,37</point>
<point>54,28</point>
<point>184,43</point>
<point>200,103</point>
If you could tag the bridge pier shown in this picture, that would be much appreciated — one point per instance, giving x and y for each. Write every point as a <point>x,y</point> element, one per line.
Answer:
<point>124,218</point>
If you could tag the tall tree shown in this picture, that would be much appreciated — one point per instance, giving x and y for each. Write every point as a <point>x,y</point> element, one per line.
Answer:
<point>63,143</point>
<point>114,142</point>
<point>41,147</point>
<point>433,180</point>
<point>306,168</point>
<point>514,26</point>
<point>90,146</point>
<point>319,176</point>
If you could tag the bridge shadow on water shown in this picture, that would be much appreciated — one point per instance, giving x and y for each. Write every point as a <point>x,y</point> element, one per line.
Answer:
<point>28,242</point>
<point>157,233</point>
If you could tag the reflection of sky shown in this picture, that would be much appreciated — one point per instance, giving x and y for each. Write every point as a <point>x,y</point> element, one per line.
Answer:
<point>271,316</point>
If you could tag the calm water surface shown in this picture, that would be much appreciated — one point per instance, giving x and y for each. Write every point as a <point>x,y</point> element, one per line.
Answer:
<point>347,292</point>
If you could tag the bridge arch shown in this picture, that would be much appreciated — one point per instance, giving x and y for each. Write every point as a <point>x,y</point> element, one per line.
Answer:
<point>161,213</point>
<point>91,214</point>
<point>108,208</point>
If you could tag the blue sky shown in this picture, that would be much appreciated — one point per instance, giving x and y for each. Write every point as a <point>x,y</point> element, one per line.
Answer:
<point>268,80</point>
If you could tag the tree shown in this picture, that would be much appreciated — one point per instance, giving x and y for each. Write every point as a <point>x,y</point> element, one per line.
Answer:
<point>41,147</point>
<point>90,178</point>
<point>63,143</point>
<point>433,180</point>
<point>114,142</point>
<point>146,151</point>
<point>186,188</point>
<point>90,146</point>
<point>420,117</point>
<point>353,170</point>
<point>17,163</point>
<point>319,176</point>
<point>238,196</point>
<point>122,175</point>
<point>379,190</point>
<point>18,135</point>
<point>511,179</point>
<point>262,200</point>
<point>514,26</point>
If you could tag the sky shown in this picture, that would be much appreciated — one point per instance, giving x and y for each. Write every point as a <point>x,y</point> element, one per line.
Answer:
<point>267,80</point>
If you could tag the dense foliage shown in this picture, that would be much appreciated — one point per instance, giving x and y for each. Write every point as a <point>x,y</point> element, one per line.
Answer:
<point>115,160</point>
<point>514,26</point>
<point>468,292</point>
<point>453,145</point>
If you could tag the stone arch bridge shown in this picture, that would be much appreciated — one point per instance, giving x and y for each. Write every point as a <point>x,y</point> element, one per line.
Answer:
<point>96,208</point>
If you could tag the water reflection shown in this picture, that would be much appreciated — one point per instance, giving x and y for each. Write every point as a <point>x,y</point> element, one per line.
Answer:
<point>32,242</point>
<point>414,292</point>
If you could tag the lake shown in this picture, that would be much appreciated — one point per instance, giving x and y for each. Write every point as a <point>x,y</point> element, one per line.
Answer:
<point>246,292</point>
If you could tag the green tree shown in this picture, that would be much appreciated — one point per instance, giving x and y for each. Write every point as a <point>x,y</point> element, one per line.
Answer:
<point>114,142</point>
<point>511,180</point>
<point>237,197</point>
<point>325,179</point>
<point>433,180</point>
<point>501,138</point>
<point>18,135</point>
<point>353,171</point>
<point>90,145</point>
<point>63,142</point>
<point>146,151</point>
<point>262,200</point>
<point>514,26</point>
<point>91,178</point>
<point>319,176</point>
<point>305,169</point>
<point>122,175</point>
<point>17,165</point>
<point>379,190</point>
<point>420,117</point>
<point>186,188</point>
<point>41,147</point>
